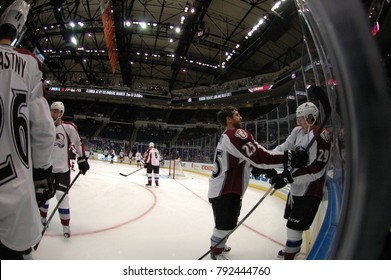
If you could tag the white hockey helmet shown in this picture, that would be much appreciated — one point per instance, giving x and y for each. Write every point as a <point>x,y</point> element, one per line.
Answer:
<point>306,109</point>
<point>58,105</point>
<point>151,145</point>
<point>15,15</point>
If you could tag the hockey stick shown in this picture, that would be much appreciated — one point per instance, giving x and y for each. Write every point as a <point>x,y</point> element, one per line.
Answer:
<point>55,209</point>
<point>126,175</point>
<point>240,223</point>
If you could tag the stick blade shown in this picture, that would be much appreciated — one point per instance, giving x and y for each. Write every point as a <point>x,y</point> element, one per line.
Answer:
<point>123,174</point>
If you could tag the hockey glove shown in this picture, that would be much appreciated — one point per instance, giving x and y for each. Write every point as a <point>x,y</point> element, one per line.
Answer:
<point>83,164</point>
<point>256,171</point>
<point>301,157</point>
<point>44,189</point>
<point>295,158</point>
<point>269,173</point>
<point>281,180</point>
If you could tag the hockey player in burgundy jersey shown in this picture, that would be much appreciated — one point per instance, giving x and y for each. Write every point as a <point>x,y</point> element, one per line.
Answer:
<point>307,182</point>
<point>26,140</point>
<point>66,135</point>
<point>236,154</point>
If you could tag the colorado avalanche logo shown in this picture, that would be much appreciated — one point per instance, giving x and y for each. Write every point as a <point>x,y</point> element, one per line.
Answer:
<point>325,135</point>
<point>59,140</point>
<point>240,133</point>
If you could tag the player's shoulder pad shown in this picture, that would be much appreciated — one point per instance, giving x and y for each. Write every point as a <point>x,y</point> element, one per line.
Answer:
<point>70,123</point>
<point>325,135</point>
<point>241,133</point>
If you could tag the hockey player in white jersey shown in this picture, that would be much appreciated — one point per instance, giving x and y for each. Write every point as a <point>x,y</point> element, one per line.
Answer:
<point>112,155</point>
<point>66,135</point>
<point>151,159</point>
<point>139,158</point>
<point>236,154</point>
<point>106,154</point>
<point>121,156</point>
<point>91,154</point>
<point>26,140</point>
<point>306,183</point>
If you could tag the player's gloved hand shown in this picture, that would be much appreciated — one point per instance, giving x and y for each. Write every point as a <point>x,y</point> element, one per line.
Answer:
<point>281,180</point>
<point>295,158</point>
<point>83,164</point>
<point>257,171</point>
<point>145,165</point>
<point>44,189</point>
<point>269,173</point>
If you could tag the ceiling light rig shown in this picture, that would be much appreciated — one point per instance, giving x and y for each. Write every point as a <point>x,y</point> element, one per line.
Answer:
<point>256,28</point>
<point>172,33</point>
<point>277,5</point>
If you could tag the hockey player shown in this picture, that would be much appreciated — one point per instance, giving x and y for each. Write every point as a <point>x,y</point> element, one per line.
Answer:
<point>106,154</point>
<point>151,159</point>
<point>27,137</point>
<point>130,156</point>
<point>91,154</point>
<point>121,156</point>
<point>66,135</point>
<point>307,182</point>
<point>236,153</point>
<point>112,155</point>
<point>139,158</point>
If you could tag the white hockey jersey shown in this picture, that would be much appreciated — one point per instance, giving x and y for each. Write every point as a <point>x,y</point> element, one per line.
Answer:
<point>66,135</point>
<point>235,153</point>
<point>152,156</point>
<point>310,179</point>
<point>26,139</point>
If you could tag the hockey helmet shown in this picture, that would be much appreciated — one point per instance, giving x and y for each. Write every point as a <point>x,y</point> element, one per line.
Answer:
<point>151,145</point>
<point>58,105</point>
<point>15,15</point>
<point>306,109</point>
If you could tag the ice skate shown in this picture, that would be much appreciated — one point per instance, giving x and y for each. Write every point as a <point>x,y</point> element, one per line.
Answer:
<point>219,257</point>
<point>227,249</point>
<point>281,254</point>
<point>44,221</point>
<point>67,231</point>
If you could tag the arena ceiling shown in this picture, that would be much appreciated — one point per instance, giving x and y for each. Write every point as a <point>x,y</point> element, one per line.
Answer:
<point>162,45</point>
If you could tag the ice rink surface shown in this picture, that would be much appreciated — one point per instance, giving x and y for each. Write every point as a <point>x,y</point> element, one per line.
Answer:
<point>117,218</point>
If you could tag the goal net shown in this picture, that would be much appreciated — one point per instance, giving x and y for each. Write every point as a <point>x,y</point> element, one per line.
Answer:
<point>176,171</point>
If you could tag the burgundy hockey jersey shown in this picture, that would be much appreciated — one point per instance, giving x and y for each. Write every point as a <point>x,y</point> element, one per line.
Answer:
<point>235,153</point>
